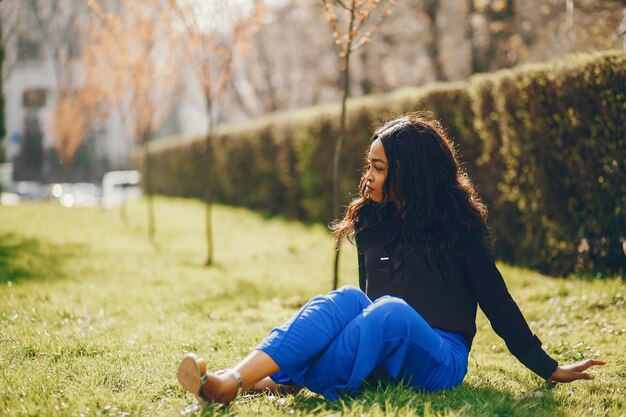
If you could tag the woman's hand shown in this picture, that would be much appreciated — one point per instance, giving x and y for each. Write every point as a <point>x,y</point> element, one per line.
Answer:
<point>569,373</point>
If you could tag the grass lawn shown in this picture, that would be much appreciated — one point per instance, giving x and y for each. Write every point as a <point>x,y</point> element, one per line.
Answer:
<point>94,319</point>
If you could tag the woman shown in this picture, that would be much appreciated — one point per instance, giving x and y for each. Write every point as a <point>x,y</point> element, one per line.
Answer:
<point>424,258</point>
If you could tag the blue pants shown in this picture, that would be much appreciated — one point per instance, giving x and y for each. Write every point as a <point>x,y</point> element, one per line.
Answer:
<point>336,341</point>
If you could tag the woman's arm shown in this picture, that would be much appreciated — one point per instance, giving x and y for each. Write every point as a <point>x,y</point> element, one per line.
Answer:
<point>505,316</point>
<point>509,323</point>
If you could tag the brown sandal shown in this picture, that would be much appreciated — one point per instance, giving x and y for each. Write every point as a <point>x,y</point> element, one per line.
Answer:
<point>192,376</point>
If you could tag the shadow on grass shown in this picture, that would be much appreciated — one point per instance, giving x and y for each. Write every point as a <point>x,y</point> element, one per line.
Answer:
<point>27,259</point>
<point>394,399</point>
<point>397,400</point>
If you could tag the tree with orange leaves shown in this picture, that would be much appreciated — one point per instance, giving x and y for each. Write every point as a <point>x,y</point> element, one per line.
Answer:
<point>356,16</point>
<point>132,60</point>
<point>73,116</point>
<point>216,37</point>
<point>69,124</point>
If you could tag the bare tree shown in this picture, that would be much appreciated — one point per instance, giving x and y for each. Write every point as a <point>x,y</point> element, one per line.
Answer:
<point>355,15</point>
<point>58,27</point>
<point>11,14</point>
<point>490,28</point>
<point>289,65</point>
<point>44,30</point>
<point>132,62</point>
<point>261,78</point>
<point>75,107</point>
<point>215,38</point>
<point>7,24</point>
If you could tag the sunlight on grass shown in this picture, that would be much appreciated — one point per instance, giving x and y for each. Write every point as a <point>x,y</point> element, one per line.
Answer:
<point>94,318</point>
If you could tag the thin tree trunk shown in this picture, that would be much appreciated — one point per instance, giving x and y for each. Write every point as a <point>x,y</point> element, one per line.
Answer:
<point>365,82</point>
<point>209,233</point>
<point>208,192</point>
<point>496,56</point>
<point>623,26</point>
<point>149,196</point>
<point>2,128</point>
<point>342,135</point>
<point>123,211</point>
<point>431,8</point>
<point>474,64</point>
<point>125,164</point>
<point>241,100</point>
<point>339,147</point>
<point>266,71</point>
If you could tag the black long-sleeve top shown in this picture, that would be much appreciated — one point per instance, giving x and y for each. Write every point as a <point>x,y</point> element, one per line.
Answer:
<point>389,267</point>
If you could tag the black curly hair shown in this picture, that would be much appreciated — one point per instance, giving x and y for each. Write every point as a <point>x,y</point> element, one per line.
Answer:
<point>438,202</point>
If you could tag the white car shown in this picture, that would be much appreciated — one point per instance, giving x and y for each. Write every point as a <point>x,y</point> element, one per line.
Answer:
<point>118,187</point>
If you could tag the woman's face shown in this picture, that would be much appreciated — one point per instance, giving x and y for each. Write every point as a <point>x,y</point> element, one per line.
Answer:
<point>376,172</point>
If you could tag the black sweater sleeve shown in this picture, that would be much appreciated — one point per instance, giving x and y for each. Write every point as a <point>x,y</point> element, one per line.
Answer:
<point>506,318</point>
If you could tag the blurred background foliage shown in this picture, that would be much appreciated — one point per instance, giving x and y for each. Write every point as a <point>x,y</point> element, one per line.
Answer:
<point>56,47</point>
<point>545,144</point>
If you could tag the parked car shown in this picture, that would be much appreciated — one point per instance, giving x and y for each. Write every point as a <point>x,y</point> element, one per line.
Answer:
<point>28,190</point>
<point>81,194</point>
<point>118,187</point>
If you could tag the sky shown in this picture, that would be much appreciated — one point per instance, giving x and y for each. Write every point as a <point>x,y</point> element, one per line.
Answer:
<point>208,9</point>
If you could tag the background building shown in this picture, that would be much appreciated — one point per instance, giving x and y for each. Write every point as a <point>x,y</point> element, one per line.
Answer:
<point>43,41</point>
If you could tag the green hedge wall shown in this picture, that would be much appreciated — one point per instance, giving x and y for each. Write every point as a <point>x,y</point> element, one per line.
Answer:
<point>545,144</point>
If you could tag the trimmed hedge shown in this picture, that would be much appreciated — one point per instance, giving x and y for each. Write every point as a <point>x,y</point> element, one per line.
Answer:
<point>563,133</point>
<point>545,144</point>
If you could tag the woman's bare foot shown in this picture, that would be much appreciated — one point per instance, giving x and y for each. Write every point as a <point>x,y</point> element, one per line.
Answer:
<point>223,386</point>
<point>220,387</point>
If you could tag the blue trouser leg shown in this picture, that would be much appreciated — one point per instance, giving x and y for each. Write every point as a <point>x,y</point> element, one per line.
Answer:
<point>387,333</point>
<point>295,345</point>
<point>391,334</point>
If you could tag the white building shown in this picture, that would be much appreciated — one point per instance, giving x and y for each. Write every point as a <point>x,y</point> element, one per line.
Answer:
<point>42,49</point>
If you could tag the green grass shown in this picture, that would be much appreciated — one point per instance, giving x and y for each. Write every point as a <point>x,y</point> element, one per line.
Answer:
<point>94,319</point>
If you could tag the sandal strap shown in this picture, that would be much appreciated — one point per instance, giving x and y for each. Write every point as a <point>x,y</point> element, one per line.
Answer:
<point>231,371</point>
<point>237,376</point>
<point>203,379</point>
